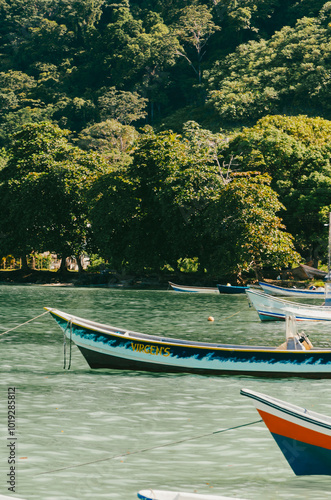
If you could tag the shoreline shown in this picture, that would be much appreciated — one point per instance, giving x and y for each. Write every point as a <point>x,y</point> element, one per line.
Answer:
<point>33,277</point>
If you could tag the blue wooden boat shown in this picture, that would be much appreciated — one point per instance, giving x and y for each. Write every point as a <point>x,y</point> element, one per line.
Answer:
<point>193,289</point>
<point>232,289</point>
<point>117,348</point>
<point>303,436</point>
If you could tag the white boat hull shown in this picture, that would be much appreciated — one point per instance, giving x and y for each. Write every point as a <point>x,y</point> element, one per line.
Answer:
<point>292,292</point>
<point>193,289</point>
<point>270,308</point>
<point>178,495</point>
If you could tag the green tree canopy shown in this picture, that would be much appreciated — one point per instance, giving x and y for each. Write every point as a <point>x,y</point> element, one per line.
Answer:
<point>125,107</point>
<point>295,152</point>
<point>244,230</point>
<point>175,201</point>
<point>194,27</point>
<point>42,193</point>
<point>290,73</point>
<point>110,139</point>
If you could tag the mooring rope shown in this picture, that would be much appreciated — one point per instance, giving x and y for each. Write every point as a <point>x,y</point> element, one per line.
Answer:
<point>26,322</point>
<point>70,345</point>
<point>143,450</point>
<point>227,317</point>
<point>65,345</point>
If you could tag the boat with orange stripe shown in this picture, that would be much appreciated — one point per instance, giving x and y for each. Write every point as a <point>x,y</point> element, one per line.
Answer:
<point>304,436</point>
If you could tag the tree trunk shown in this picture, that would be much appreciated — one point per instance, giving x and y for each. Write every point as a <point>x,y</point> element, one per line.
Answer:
<point>63,266</point>
<point>33,262</point>
<point>258,271</point>
<point>79,264</point>
<point>24,260</point>
<point>316,256</point>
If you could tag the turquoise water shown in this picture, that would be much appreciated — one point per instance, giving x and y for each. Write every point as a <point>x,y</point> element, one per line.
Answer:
<point>84,434</point>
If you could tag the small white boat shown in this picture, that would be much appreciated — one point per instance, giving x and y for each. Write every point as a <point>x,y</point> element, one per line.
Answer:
<point>178,495</point>
<point>5,497</point>
<point>271,308</point>
<point>193,289</point>
<point>309,293</point>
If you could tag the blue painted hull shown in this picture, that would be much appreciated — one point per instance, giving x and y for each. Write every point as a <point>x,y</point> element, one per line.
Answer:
<point>232,289</point>
<point>108,347</point>
<point>303,436</point>
<point>193,289</point>
<point>314,460</point>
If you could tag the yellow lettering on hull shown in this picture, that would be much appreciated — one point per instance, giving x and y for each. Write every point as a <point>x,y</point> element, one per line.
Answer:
<point>155,350</point>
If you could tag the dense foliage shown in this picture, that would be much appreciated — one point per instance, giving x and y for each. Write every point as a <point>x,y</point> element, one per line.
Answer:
<point>296,153</point>
<point>101,153</point>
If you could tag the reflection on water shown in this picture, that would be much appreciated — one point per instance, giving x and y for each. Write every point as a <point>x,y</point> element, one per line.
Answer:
<point>106,434</point>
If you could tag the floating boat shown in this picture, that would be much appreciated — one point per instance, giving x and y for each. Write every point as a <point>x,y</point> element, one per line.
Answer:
<point>293,292</point>
<point>271,308</point>
<point>232,289</point>
<point>5,497</point>
<point>117,348</point>
<point>303,436</point>
<point>178,495</point>
<point>193,289</point>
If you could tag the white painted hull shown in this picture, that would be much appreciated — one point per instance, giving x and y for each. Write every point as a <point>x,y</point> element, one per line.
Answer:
<point>292,292</point>
<point>274,308</point>
<point>193,289</point>
<point>178,495</point>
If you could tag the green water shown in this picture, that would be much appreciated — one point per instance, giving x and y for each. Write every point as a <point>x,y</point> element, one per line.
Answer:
<point>84,434</point>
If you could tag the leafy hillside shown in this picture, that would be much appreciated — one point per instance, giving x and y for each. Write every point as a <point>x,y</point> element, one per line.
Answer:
<point>150,132</point>
<point>223,61</point>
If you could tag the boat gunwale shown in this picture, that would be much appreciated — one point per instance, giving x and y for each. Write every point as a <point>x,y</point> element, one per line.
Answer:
<point>290,409</point>
<point>131,335</point>
<point>290,291</point>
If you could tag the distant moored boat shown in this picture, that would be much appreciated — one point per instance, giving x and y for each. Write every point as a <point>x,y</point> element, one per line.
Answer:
<point>305,293</point>
<point>193,289</point>
<point>232,289</point>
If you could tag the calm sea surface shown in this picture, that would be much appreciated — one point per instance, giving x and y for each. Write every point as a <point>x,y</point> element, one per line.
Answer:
<point>104,434</point>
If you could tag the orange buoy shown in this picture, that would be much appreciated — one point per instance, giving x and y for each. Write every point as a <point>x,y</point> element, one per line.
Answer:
<point>210,318</point>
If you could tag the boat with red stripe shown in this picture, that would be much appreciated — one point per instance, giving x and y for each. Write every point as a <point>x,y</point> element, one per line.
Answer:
<point>303,436</point>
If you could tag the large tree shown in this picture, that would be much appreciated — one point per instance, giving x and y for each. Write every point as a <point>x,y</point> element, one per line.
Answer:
<point>295,152</point>
<point>42,193</point>
<point>244,230</point>
<point>194,28</point>
<point>174,202</point>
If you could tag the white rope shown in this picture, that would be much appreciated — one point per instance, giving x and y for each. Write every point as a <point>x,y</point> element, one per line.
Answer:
<point>65,345</point>
<point>18,326</point>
